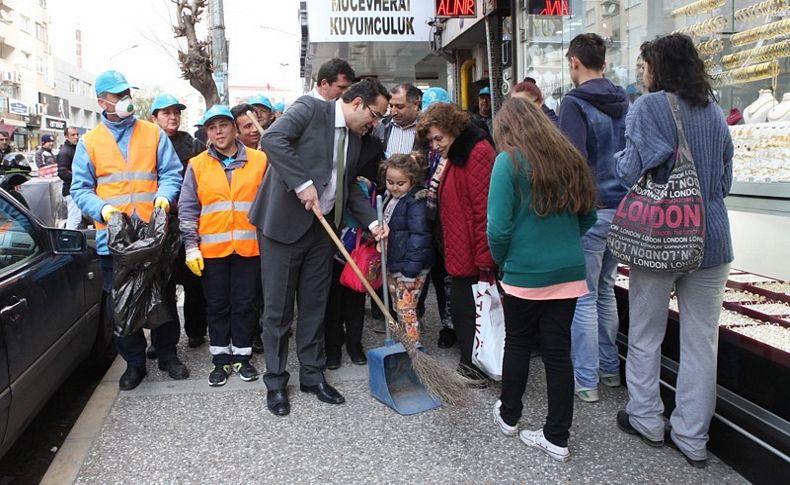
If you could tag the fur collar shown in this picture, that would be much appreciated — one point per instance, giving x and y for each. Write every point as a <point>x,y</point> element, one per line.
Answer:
<point>464,143</point>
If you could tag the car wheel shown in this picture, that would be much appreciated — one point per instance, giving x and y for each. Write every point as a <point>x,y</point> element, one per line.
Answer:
<point>103,351</point>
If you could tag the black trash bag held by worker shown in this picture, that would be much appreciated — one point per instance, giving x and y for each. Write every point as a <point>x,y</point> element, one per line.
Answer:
<point>143,254</point>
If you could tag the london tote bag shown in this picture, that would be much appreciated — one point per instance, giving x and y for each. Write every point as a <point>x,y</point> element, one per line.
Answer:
<point>660,227</point>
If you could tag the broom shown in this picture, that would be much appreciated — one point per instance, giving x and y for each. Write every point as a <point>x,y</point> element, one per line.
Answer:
<point>440,381</point>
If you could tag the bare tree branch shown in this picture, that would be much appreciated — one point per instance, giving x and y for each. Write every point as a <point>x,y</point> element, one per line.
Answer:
<point>195,61</point>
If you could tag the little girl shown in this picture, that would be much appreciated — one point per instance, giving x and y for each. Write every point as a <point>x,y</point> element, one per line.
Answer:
<point>409,253</point>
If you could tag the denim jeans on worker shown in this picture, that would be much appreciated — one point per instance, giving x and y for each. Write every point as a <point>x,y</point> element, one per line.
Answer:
<point>594,328</point>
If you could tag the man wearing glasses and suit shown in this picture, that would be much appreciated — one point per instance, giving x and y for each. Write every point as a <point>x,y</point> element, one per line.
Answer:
<point>313,151</point>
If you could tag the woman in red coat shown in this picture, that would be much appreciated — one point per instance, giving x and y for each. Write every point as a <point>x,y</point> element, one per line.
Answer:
<point>459,189</point>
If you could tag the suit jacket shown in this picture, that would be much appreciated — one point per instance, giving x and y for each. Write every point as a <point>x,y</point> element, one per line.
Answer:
<point>300,147</point>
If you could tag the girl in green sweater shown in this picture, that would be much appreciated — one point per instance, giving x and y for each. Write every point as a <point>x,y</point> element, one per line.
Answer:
<point>541,201</point>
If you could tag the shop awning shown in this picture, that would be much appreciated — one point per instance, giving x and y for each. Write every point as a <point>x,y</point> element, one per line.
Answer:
<point>8,122</point>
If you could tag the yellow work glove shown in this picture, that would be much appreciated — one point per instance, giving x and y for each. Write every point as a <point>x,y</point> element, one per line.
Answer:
<point>107,211</point>
<point>163,203</point>
<point>195,261</point>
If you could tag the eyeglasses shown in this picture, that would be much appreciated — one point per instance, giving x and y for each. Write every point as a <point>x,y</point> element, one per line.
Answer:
<point>375,115</point>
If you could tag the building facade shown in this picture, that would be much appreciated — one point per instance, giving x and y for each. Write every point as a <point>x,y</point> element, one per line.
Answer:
<point>75,97</point>
<point>26,69</point>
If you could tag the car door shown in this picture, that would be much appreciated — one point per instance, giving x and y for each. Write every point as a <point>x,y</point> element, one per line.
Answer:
<point>40,299</point>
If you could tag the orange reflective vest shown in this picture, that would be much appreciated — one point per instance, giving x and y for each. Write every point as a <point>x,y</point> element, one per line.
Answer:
<point>130,185</point>
<point>223,226</point>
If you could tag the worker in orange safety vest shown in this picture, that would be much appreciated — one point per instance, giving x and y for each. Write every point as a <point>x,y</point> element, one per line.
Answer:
<point>221,244</point>
<point>127,165</point>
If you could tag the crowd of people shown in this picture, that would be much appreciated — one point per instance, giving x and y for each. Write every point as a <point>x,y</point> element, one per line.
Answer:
<point>524,199</point>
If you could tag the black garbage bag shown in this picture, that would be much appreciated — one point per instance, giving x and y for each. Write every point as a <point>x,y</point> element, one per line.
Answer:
<point>143,255</point>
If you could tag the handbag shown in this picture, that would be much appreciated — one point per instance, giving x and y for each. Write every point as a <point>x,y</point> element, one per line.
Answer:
<point>368,258</point>
<point>660,227</point>
<point>489,345</point>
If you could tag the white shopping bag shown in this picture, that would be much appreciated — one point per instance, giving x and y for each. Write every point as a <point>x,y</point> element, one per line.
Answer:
<point>489,346</point>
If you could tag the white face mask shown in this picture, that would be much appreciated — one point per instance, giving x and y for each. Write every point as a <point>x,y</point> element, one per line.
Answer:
<point>123,107</point>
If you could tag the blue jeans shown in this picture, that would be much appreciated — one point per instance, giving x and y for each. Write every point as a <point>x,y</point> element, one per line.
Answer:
<point>594,328</point>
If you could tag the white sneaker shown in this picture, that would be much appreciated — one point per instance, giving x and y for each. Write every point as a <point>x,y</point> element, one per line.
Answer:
<point>611,380</point>
<point>535,439</point>
<point>586,394</point>
<point>506,429</point>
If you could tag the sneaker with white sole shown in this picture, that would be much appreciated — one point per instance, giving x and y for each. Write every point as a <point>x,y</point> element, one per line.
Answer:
<point>535,439</point>
<point>506,429</point>
<point>219,376</point>
<point>586,394</point>
<point>246,371</point>
<point>611,380</point>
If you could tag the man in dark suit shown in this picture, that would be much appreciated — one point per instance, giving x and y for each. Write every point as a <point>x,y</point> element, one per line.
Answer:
<point>313,151</point>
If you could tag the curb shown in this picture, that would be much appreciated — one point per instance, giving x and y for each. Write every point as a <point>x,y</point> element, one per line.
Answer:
<point>69,459</point>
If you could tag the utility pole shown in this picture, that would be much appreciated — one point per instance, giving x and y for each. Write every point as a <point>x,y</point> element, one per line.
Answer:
<point>219,49</point>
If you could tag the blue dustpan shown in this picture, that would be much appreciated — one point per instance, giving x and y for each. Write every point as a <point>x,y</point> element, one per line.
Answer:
<point>393,381</point>
<point>390,375</point>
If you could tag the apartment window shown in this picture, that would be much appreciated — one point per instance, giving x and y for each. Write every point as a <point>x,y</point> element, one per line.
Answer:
<point>24,23</point>
<point>85,88</point>
<point>74,84</point>
<point>41,32</point>
<point>42,3</point>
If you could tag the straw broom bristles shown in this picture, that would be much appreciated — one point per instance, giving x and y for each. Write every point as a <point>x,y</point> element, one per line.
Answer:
<point>441,382</point>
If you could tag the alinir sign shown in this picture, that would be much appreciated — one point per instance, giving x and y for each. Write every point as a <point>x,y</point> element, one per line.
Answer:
<point>456,8</point>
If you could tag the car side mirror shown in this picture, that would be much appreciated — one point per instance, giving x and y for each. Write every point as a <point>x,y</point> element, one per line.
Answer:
<point>67,241</point>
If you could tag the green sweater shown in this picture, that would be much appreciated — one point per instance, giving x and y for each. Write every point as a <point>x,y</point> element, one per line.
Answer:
<point>532,251</point>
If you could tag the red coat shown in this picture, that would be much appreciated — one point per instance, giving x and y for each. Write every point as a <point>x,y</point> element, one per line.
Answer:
<point>463,204</point>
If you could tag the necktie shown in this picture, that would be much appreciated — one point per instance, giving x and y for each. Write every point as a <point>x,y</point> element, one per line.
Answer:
<point>340,170</point>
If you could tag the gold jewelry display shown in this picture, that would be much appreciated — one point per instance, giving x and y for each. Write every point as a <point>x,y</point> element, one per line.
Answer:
<point>710,47</point>
<point>715,24</point>
<point>758,54</point>
<point>762,9</point>
<point>767,31</point>
<point>757,72</point>
<point>698,7</point>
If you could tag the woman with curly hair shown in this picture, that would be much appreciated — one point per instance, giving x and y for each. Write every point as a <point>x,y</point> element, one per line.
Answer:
<point>673,68</point>
<point>459,188</point>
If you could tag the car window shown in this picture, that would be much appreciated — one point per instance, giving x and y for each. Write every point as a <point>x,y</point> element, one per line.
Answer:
<point>17,238</point>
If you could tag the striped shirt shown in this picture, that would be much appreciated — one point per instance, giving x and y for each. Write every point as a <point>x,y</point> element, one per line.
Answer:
<point>401,139</point>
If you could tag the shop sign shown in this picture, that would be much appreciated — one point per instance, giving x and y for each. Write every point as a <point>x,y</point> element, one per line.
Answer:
<point>550,8</point>
<point>456,8</point>
<point>54,106</point>
<point>55,124</point>
<point>369,20</point>
<point>17,107</point>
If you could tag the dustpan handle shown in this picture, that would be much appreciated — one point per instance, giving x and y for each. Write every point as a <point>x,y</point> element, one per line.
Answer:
<point>384,282</point>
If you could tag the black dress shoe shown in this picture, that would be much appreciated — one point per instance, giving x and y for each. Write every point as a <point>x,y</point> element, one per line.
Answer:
<point>446,338</point>
<point>131,378</point>
<point>277,402</point>
<point>195,342</point>
<point>325,393</point>
<point>257,344</point>
<point>357,354</point>
<point>175,368</point>
<point>150,352</point>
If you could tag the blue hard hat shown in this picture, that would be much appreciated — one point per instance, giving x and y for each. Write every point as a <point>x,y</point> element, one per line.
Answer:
<point>279,107</point>
<point>261,100</point>
<point>112,82</point>
<point>165,100</point>
<point>218,110</point>
<point>486,91</point>
<point>435,95</point>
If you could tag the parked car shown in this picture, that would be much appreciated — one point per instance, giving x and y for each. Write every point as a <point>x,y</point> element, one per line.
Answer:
<point>51,313</point>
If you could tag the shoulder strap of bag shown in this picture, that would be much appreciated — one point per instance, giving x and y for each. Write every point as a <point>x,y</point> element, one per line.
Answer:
<point>683,144</point>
